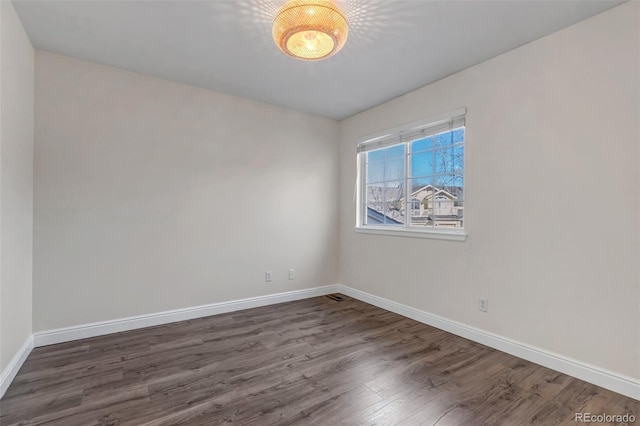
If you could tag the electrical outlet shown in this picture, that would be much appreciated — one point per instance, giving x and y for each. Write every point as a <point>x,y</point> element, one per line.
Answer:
<point>483,305</point>
<point>268,276</point>
<point>292,274</point>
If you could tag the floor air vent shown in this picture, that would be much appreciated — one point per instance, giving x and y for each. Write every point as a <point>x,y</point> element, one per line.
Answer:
<point>337,297</point>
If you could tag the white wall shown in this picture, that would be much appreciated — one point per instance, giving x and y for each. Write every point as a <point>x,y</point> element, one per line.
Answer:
<point>151,195</point>
<point>16,183</point>
<point>552,134</point>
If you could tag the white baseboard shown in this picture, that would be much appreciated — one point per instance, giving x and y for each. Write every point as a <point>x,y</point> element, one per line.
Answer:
<point>624,385</point>
<point>607,379</point>
<point>60,335</point>
<point>10,371</point>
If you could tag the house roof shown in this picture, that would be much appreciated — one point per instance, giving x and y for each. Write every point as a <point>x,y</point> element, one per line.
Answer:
<point>435,192</point>
<point>377,218</point>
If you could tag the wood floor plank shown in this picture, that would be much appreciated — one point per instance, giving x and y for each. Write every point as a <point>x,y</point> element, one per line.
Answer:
<point>314,361</point>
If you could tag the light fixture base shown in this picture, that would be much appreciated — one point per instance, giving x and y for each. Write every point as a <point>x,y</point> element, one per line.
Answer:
<point>310,30</point>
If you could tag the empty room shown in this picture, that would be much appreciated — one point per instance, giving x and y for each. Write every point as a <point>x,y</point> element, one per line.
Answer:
<point>319,212</point>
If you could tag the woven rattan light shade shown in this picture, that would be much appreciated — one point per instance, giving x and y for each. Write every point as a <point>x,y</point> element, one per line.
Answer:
<point>310,29</point>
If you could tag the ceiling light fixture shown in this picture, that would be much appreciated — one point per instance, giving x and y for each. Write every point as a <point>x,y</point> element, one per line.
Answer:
<point>310,29</point>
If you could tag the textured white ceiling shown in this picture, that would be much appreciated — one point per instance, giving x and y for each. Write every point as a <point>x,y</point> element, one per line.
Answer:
<point>394,46</point>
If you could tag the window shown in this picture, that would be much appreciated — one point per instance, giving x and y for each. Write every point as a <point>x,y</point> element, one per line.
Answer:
<point>411,180</point>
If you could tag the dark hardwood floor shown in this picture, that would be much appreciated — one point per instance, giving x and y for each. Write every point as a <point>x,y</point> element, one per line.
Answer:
<point>315,361</point>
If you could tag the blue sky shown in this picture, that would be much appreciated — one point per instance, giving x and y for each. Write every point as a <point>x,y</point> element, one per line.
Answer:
<point>436,160</point>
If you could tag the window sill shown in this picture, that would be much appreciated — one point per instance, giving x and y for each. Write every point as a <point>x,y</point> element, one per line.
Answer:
<point>414,233</point>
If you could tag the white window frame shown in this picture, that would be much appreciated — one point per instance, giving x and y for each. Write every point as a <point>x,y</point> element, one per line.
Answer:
<point>452,234</point>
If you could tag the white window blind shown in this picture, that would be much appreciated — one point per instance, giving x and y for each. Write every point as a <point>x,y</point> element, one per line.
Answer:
<point>411,132</point>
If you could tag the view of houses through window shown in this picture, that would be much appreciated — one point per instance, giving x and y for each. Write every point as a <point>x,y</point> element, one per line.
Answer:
<point>417,183</point>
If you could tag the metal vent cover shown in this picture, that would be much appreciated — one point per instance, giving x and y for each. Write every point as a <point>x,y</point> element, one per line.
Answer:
<point>336,296</point>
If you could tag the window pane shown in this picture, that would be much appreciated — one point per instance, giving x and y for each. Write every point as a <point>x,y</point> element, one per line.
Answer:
<point>444,161</point>
<point>419,204</point>
<point>422,164</point>
<point>375,196</point>
<point>449,160</point>
<point>449,180</point>
<point>447,214</point>
<point>375,172</point>
<point>378,207</point>
<point>394,169</point>
<point>377,155</point>
<point>374,214</point>
<point>394,202</point>
<point>395,151</point>
<point>394,215</point>
<point>443,139</point>
<point>451,186</point>
<point>460,214</point>
<point>422,144</point>
<point>394,191</point>
<point>458,135</point>
<point>419,215</point>
<point>419,183</point>
<point>458,159</point>
<point>440,201</point>
<point>442,205</point>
